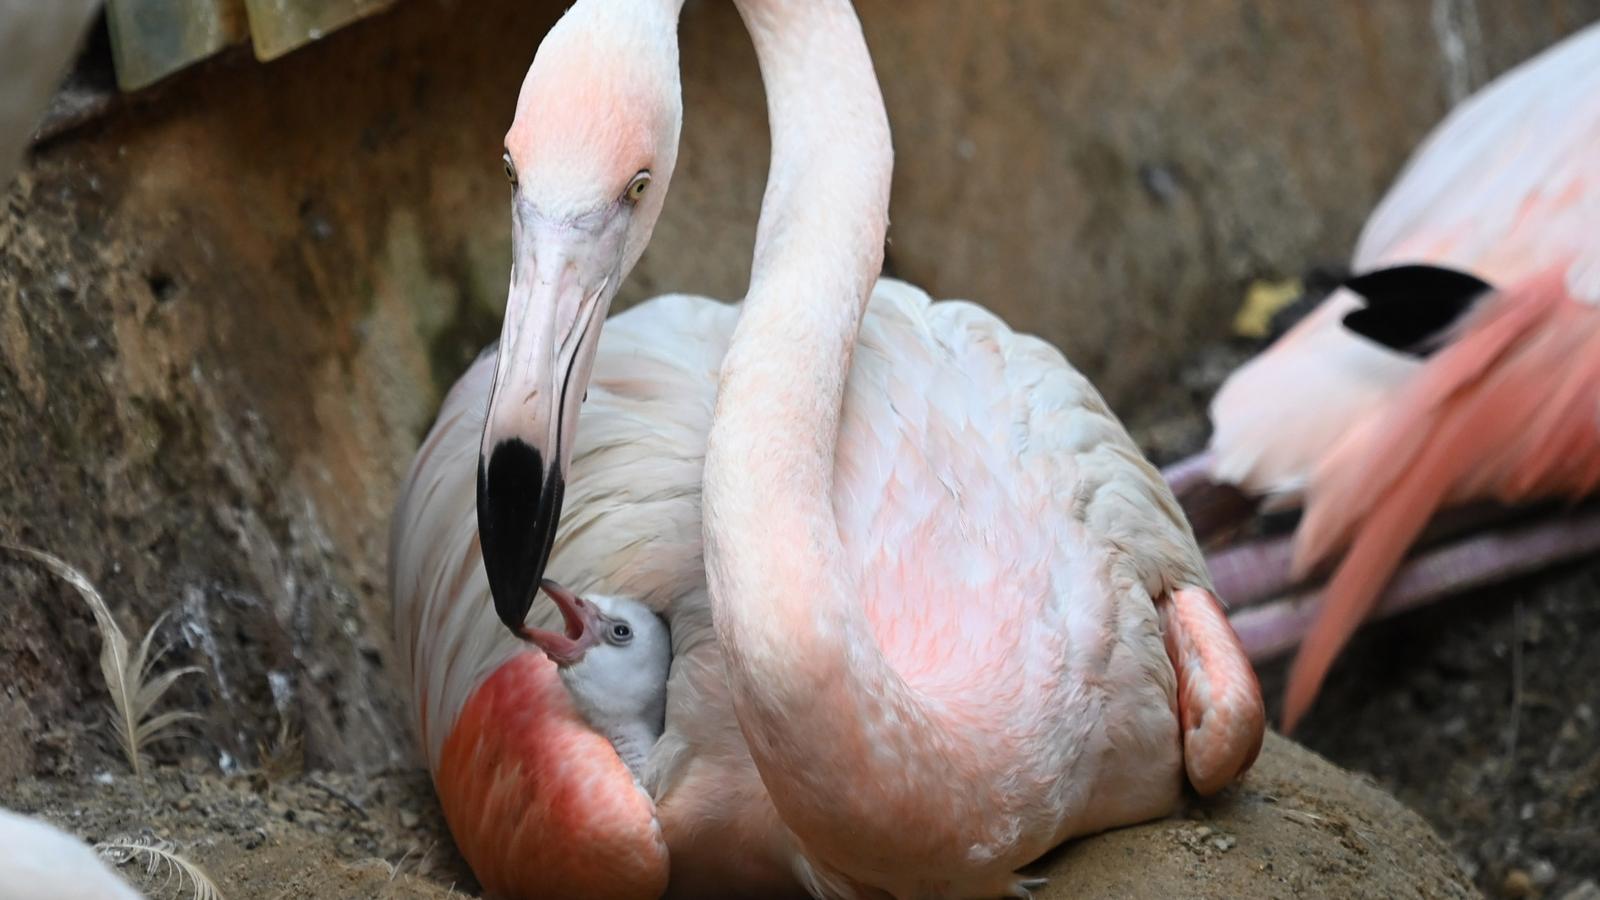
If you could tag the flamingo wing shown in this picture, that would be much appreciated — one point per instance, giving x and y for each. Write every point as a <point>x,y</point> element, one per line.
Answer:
<point>984,488</point>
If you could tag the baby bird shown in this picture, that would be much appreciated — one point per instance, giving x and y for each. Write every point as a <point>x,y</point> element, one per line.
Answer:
<point>613,657</point>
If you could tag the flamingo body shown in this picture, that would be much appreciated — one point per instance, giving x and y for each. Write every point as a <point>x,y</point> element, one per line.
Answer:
<point>631,525</point>
<point>1505,188</point>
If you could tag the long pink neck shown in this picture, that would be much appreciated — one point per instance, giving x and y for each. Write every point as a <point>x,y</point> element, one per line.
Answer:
<point>809,681</point>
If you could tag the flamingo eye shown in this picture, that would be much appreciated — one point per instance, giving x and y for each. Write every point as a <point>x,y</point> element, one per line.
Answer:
<point>637,187</point>
<point>511,169</point>
<point>621,633</point>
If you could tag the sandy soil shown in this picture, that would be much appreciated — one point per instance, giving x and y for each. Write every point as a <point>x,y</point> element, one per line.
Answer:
<point>1298,827</point>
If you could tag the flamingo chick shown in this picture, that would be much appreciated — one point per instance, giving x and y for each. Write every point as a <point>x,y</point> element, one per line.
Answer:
<point>613,656</point>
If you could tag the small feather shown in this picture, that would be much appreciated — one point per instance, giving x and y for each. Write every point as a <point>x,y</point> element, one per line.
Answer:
<point>159,857</point>
<point>127,675</point>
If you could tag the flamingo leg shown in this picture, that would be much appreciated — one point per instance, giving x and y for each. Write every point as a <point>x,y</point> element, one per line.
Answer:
<point>1220,711</point>
<point>1188,473</point>
<point>1271,629</point>
<point>1216,510</point>
<point>1251,573</point>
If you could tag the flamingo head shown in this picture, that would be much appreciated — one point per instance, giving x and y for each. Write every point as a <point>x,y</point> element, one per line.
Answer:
<point>613,654</point>
<point>589,155</point>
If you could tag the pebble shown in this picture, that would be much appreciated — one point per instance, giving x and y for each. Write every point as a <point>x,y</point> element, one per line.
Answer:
<point>1586,890</point>
<point>1517,885</point>
<point>409,819</point>
<point>1224,842</point>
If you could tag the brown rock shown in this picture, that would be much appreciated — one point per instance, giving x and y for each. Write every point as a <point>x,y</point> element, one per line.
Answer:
<point>1297,826</point>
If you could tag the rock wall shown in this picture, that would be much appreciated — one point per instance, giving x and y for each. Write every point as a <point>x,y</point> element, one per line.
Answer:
<point>229,307</point>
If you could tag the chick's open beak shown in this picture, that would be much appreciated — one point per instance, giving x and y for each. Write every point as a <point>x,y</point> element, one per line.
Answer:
<point>580,632</point>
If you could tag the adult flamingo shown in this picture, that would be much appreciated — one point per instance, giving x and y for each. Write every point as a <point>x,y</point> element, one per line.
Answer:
<point>1463,365</point>
<point>520,778</point>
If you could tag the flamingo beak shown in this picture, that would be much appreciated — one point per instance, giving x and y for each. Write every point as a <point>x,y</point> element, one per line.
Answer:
<point>581,627</point>
<point>563,278</point>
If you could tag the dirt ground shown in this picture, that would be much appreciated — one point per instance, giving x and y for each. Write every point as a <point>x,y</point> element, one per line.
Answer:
<point>1299,827</point>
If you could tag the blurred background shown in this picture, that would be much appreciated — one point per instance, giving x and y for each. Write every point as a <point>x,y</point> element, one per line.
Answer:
<point>230,302</point>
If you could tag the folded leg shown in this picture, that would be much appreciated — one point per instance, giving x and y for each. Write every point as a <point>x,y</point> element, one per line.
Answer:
<point>1220,713</point>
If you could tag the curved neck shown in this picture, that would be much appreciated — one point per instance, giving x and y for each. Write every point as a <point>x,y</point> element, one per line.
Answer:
<point>808,679</point>
<point>770,530</point>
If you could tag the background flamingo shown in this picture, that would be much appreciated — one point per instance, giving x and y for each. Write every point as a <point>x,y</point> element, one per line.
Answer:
<point>632,511</point>
<point>1435,389</point>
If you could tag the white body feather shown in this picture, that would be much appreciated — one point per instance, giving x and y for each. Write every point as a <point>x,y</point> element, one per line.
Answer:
<point>42,862</point>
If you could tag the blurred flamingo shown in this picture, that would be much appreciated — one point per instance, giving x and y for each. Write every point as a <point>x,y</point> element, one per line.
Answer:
<point>1005,572</point>
<point>1462,364</point>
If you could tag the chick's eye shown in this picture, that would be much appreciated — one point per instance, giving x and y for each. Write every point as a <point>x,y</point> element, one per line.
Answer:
<point>620,632</point>
<point>637,187</point>
<point>511,170</point>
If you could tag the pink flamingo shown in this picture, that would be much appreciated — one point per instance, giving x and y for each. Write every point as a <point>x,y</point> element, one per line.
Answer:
<point>957,615</point>
<point>1421,387</point>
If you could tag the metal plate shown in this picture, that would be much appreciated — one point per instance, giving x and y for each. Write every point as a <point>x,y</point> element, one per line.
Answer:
<point>278,26</point>
<point>151,39</point>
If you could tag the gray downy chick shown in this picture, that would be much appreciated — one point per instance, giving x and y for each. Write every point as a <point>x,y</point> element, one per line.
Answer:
<point>613,655</point>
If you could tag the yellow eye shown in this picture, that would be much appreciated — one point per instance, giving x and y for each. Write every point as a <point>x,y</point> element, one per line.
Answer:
<point>636,187</point>
<point>511,170</point>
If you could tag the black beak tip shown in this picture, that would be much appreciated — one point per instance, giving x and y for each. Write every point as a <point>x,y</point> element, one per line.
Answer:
<point>519,504</point>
